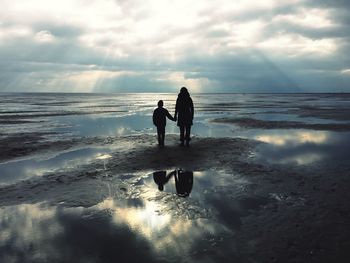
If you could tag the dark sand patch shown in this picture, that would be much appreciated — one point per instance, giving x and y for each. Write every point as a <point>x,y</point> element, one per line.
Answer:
<point>251,123</point>
<point>54,114</point>
<point>16,121</point>
<point>332,113</point>
<point>25,144</point>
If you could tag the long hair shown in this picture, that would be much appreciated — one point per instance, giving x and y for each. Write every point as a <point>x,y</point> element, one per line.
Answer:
<point>183,93</point>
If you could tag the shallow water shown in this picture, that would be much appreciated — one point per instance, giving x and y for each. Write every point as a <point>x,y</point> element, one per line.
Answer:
<point>50,118</point>
<point>125,217</point>
<point>62,116</point>
<point>155,225</point>
<point>13,171</point>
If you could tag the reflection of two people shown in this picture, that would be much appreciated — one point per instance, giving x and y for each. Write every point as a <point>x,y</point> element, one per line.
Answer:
<point>183,181</point>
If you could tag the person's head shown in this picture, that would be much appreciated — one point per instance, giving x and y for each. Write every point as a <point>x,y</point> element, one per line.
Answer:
<point>160,104</point>
<point>184,92</point>
<point>160,187</point>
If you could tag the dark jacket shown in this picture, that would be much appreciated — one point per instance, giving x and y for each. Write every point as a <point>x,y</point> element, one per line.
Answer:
<point>159,117</point>
<point>184,110</point>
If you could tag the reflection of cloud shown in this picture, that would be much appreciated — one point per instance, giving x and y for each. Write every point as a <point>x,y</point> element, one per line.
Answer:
<point>294,137</point>
<point>302,159</point>
<point>24,225</point>
<point>35,233</point>
<point>163,230</point>
<point>145,219</point>
<point>102,156</point>
<point>296,147</point>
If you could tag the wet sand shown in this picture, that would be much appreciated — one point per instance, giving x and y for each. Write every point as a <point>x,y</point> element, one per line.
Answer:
<point>269,212</point>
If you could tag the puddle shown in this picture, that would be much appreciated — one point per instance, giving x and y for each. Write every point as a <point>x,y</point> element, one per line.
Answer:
<point>107,232</point>
<point>303,147</point>
<point>211,190</point>
<point>194,219</point>
<point>15,171</point>
<point>193,184</point>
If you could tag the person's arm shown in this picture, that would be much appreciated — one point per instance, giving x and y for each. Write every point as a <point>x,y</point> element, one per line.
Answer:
<point>192,108</point>
<point>176,109</point>
<point>154,118</point>
<point>170,175</point>
<point>169,115</point>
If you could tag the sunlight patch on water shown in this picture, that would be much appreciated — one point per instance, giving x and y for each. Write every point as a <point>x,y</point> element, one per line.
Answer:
<point>294,137</point>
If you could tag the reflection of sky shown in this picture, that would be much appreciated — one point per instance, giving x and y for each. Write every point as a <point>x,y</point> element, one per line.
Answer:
<point>153,226</point>
<point>109,232</point>
<point>303,147</point>
<point>18,170</point>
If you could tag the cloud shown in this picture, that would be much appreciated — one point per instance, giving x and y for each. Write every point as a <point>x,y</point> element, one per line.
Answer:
<point>139,46</point>
<point>345,71</point>
<point>44,36</point>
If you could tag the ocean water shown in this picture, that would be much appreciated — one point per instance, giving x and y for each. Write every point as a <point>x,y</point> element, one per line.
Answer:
<point>125,216</point>
<point>56,117</point>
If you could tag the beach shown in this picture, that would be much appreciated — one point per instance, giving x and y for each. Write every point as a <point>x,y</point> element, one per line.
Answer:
<point>270,179</point>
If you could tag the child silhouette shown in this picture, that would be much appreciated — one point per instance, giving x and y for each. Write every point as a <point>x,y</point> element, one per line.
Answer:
<point>159,120</point>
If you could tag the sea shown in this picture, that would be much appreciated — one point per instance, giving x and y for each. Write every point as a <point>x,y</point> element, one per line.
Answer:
<point>41,221</point>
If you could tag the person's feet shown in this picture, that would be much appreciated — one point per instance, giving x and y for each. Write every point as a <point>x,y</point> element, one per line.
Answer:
<point>182,144</point>
<point>187,143</point>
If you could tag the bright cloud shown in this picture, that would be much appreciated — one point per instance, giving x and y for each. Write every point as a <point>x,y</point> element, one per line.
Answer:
<point>160,45</point>
<point>44,36</point>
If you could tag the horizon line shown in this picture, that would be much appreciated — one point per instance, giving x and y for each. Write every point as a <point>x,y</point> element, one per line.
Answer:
<point>116,93</point>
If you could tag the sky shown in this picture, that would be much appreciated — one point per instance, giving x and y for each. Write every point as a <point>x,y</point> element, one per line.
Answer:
<point>162,45</point>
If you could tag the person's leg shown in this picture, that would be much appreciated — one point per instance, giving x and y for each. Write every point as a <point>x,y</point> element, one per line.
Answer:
<point>182,134</point>
<point>159,136</point>
<point>188,135</point>
<point>163,136</point>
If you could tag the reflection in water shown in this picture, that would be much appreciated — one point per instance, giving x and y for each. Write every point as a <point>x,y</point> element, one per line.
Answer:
<point>294,137</point>
<point>108,232</point>
<point>24,169</point>
<point>161,178</point>
<point>183,181</point>
<point>303,147</point>
<point>39,233</point>
<point>155,226</point>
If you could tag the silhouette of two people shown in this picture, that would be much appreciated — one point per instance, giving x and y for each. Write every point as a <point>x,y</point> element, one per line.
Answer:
<point>184,112</point>
<point>183,181</point>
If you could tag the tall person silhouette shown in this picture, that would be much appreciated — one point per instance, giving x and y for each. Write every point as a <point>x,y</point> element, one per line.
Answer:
<point>184,112</point>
